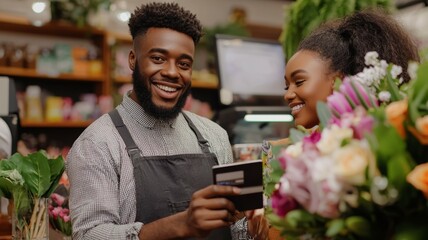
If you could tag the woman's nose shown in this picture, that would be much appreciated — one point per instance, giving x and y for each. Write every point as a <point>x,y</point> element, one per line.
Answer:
<point>289,94</point>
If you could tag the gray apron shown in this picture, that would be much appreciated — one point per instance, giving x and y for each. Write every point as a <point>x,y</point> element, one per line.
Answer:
<point>164,184</point>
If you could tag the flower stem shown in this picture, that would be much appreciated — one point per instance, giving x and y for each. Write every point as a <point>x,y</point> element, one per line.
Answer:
<point>34,215</point>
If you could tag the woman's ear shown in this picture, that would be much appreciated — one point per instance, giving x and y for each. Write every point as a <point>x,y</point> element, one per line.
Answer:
<point>131,60</point>
<point>335,76</point>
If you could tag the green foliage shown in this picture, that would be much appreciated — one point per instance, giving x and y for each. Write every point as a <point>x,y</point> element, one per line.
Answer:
<point>358,225</point>
<point>334,227</point>
<point>323,113</point>
<point>303,16</point>
<point>273,177</point>
<point>418,98</point>
<point>76,11</point>
<point>23,178</point>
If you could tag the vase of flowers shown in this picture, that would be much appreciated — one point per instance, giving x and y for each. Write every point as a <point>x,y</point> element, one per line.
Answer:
<point>364,173</point>
<point>33,223</point>
<point>28,181</point>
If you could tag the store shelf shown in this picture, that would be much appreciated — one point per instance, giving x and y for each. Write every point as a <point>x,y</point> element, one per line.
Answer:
<point>62,124</point>
<point>114,37</point>
<point>31,73</point>
<point>122,79</point>
<point>63,29</point>
<point>204,84</point>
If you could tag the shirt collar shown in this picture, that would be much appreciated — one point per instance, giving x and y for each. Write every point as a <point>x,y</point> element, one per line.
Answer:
<point>141,116</point>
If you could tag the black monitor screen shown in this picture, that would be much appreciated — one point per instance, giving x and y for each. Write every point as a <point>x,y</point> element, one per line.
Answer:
<point>249,69</point>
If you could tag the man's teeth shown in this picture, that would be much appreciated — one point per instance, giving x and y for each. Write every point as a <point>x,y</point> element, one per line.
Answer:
<point>166,88</point>
<point>297,107</point>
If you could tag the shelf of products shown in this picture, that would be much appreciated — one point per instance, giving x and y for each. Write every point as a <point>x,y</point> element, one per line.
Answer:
<point>61,124</point>
<point>67,71</point>
<point>32,73</point>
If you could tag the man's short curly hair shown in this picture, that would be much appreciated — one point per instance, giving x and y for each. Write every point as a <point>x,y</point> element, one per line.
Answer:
<point>164,15</point>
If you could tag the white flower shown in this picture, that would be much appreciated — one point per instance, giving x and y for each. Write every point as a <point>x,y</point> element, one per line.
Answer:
<point>331,138</point>
<point>396,70</point>
<point>371,58</point>
<point>412,69</point>
<point>385,96</point>
<point>383,64</point>
<point>294,150</point>
<point>352,161</point>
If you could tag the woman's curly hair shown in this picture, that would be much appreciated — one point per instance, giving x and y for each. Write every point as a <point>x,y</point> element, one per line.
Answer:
<point>345,42</point>
<point>164,15</point>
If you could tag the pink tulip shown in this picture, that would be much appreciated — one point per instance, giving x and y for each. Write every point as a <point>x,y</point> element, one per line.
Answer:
<point>58,199</point>
<point>281,205</point>
<point>66,218</point>
<point>338,104</point>
<point>356,94</point>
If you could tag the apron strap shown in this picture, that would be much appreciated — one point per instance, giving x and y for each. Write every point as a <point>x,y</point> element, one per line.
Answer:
<point>203,143</point>
<point>131,147</point>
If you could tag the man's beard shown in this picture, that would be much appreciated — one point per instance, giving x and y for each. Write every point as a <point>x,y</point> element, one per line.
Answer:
<point>144,95</point>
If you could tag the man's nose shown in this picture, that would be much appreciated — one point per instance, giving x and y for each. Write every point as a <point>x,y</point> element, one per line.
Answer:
<point>170,70</point>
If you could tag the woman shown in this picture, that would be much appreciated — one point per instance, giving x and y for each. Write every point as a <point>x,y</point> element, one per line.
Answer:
<point>333,51</point>
<point>337,49</point>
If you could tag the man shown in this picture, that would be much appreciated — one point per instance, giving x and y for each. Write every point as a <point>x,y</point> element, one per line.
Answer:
<point>144,170</point>
<point>5,140</point>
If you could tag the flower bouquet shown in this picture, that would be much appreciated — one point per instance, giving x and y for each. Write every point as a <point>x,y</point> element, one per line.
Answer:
<point>29,181</point>
<point>59,213</point>
<point>364,173</point>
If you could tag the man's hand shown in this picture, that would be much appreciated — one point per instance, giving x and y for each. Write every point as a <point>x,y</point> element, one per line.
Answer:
<point>258,226</point>
<point>209,210</point>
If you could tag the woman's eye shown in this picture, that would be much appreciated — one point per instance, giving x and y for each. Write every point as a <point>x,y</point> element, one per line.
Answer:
<point>299,82</point>
<point>286,87</point>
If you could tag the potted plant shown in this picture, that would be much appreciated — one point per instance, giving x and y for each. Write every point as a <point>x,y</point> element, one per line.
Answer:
<point>29,181</point>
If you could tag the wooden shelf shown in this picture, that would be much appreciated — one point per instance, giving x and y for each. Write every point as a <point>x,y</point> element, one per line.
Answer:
<point>195,83</point>
<point>63,124</point>
<point>31,73</point>
<point>119,37</point>
<point>204,84</point>
<point>61,29</point>
<point>122,79</point>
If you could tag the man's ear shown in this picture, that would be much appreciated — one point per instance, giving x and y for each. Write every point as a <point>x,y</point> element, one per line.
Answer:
<point>132,59</point>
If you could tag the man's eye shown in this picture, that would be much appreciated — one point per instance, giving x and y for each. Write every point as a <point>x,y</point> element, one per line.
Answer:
<point>185,65</point>
<point>157,58</point>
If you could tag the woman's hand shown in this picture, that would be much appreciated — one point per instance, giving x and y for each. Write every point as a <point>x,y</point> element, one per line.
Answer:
<point>258,226</point>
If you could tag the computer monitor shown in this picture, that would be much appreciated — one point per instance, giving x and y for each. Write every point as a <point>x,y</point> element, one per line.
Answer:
<point>251,71</point>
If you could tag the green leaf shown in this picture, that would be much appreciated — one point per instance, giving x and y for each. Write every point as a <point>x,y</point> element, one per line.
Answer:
<point>387,149</point>
<point>10,163</point>
<point>324,113</point>
<point>296,135</point>
<point>57,168</point>
<point>36,173</point>
<point>21,200</point>
<point>392,87</point>
<point>334,227</point>
<point>358,225</point>
<point>398,168</point>
<point>300,218</point>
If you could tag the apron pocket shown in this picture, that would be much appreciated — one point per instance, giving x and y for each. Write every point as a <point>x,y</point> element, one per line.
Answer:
<point>178,206</point>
